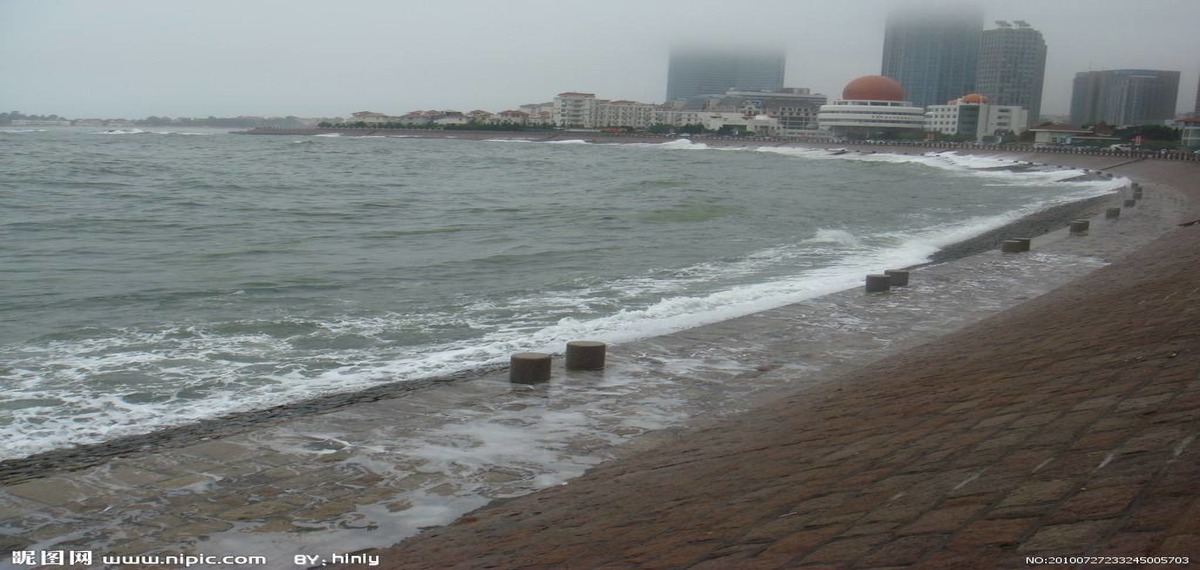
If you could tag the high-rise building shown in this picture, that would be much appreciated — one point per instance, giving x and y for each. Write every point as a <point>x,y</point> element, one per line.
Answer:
<point>1197,110</point>
<point>932,51</point>
<point>1012,66</point>
<point>1124,96</point>
<point>712,70</point>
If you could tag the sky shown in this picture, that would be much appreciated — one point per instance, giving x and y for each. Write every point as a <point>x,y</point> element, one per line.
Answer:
<point>138,58</point>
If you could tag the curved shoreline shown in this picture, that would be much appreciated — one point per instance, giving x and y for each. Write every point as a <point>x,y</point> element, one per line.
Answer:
<point>1063,426</point>
<point>714,423</point>
<point>87,455</point>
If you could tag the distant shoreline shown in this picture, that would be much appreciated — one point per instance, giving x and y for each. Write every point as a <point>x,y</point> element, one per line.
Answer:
<point>1112,158</point>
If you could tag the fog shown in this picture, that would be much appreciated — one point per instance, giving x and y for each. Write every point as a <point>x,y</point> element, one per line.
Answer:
<point>136,58</point>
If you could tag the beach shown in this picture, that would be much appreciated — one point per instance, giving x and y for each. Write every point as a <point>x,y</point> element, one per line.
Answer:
<point>619,483</point>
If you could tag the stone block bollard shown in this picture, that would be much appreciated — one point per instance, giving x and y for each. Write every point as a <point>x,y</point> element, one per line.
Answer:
<point>1137,194</point>
<point>585,355</point>
<point>529,368</point>
<point>1112,213</point>
<point>877,283</point>
<point>897,277</point>
<point>1130,203</point>
<point>1012,246</point>
<point>1079,227</point>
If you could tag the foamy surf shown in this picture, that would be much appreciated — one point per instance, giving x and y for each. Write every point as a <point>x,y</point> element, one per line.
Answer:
<point>336,279</point>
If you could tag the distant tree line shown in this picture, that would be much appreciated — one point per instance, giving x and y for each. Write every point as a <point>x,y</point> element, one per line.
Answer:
<point>290,122</point>
<point>468,126</point>
<point>9,117</point>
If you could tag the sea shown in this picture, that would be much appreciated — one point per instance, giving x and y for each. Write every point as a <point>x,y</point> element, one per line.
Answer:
<point>154,278</point>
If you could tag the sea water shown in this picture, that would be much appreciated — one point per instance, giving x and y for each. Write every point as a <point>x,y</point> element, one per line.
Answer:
<point>154,278</point>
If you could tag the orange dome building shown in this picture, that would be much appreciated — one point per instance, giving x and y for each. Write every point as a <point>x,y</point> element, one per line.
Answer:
<point>872,106</point>
<point>873,88</point>
<point>969,99</point>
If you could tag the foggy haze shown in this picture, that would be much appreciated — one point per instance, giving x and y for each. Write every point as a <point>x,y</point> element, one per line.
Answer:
<point>137,58</point>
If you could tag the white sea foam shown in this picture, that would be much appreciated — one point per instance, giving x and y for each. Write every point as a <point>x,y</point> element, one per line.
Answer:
<point>569,141</point>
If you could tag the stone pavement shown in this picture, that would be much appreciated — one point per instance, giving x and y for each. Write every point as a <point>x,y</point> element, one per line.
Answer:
<point>371,474</point>
<point>1066,427</point>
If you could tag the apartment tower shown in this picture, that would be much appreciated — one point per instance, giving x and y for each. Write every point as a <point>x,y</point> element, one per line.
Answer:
<point>933,50</point>
<point>1012,66</point>
<point>1124,97</point>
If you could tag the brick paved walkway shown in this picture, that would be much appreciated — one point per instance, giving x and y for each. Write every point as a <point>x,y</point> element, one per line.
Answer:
<point>1065,427</point>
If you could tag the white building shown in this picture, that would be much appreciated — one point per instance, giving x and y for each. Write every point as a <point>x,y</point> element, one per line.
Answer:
<point>1190,132</point>
<point>625,114</point>
<point>871,106</point>
<point>795,108</point>
<point>973,116</point>
<point>575,110</point>
<point>668,115</point>
<point>372,118</point>
<point>539,113</point>
<point>511,117</point>
<point>1055,135</point>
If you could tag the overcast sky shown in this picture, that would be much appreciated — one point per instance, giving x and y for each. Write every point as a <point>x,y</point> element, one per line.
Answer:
<point>136,58</point>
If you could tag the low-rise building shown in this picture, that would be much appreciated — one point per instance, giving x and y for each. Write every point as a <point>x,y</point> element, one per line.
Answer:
<point>540,114</point>
<point>623,113</point>
<point>973,116</point>
<point>1057,134</point>
<point>511,117</point>
<point>796,109</point>
<point>872,106</point>
<point>372,118</point>
<point>1189,138</point>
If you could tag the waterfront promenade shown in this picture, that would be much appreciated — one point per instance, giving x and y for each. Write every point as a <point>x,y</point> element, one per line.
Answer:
<point>1065,427</point>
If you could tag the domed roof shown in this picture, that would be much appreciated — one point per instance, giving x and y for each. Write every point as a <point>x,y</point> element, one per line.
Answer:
<point>873,88</point>
<point>974,98</point>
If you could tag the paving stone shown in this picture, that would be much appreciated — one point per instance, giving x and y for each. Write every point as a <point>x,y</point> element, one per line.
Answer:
<point>1070,537</point>
<point>1037,492</point>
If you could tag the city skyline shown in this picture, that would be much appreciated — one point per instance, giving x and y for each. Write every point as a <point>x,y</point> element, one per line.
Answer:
<point>136,58</point>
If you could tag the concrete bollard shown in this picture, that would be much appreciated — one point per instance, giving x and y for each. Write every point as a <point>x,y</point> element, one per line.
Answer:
<point>1130,203</point>
<point>897,277</point>
<point>878,283</point>
<point>529,368</point>
<point>585,355</point>
<point>1137,194</point>
<point>1079,227</point>
<point>1017,245</point>
<point>1112,213</point>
